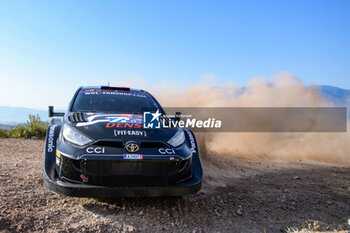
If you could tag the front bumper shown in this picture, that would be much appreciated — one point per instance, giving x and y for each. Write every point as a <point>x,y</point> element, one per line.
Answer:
<point>53,183</point>
<point>113,171</point>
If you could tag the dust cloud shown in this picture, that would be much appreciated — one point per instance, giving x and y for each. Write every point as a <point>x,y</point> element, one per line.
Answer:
<point>285,90</point>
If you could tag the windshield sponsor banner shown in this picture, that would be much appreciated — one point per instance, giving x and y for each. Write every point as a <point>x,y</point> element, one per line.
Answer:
<point>229,119</point>
<point>110,92</point>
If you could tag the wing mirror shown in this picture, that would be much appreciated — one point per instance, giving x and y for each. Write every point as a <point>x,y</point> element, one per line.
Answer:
<point>53,114</point>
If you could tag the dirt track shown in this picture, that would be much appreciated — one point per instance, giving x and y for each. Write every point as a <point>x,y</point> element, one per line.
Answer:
<point>247,196</point>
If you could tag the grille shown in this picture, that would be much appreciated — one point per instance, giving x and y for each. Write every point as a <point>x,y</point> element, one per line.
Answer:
<point>118,167</point>
<point>152,144</point>
<point>110,144</point>
<point>107,172</point>
<point>123,172</point>
<point>120,144</point>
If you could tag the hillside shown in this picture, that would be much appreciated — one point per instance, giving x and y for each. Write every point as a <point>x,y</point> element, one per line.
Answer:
<point>13,115</point>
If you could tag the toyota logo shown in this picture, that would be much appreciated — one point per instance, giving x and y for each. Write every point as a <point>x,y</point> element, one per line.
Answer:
<point>132,147</point>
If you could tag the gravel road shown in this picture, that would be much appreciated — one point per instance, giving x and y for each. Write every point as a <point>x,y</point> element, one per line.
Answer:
<point>237,196</point>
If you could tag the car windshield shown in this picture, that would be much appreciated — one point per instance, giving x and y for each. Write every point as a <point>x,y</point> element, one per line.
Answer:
<point>113,101</point>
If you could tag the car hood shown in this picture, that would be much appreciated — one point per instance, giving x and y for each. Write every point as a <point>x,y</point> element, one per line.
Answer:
<point>120,127</point>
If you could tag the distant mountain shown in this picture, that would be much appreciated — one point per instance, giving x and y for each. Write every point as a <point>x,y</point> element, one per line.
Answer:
<point>11,115</point>
<point>338,96</point>
<point>7,125</point>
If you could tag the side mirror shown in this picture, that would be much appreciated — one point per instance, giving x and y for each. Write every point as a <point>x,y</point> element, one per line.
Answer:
<point>53,114</point>
<point>177,116</point>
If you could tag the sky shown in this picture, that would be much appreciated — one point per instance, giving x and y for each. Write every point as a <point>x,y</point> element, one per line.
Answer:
<point>50,48</point>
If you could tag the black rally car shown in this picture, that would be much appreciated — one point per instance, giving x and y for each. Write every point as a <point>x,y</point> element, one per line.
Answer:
<point>111,142</point>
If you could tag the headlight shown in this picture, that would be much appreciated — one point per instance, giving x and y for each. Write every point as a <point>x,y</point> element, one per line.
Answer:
<point>177,139</point>
<point>74,136</point>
